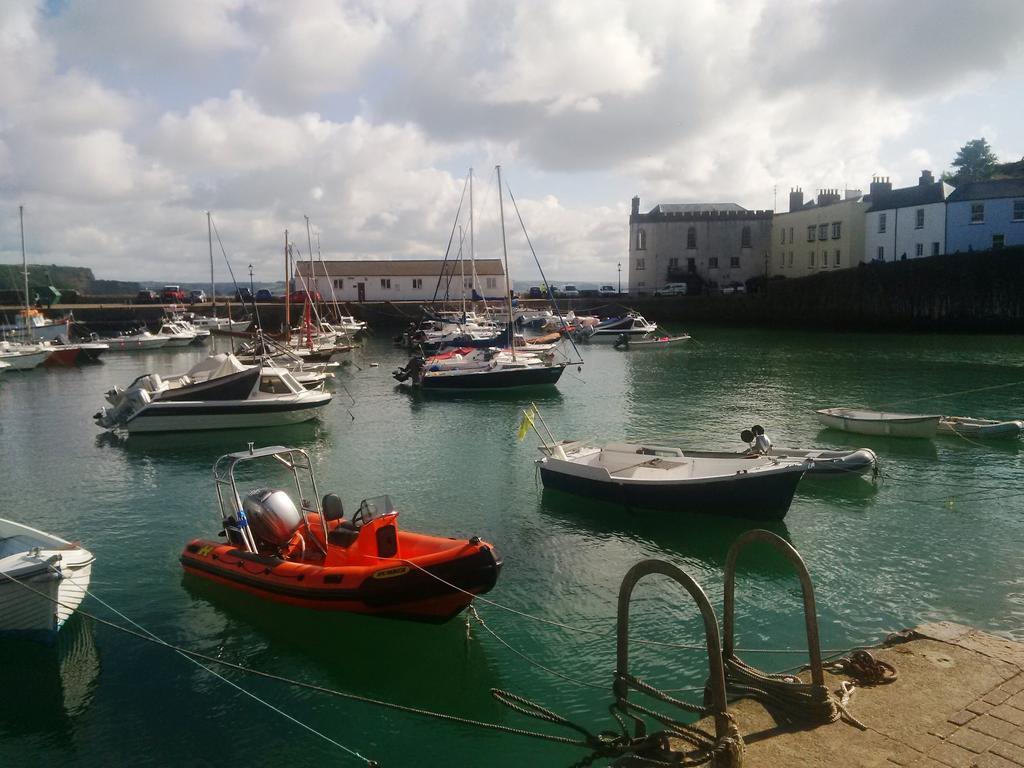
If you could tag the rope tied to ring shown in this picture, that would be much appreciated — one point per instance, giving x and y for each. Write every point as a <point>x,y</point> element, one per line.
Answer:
<point>785,694</point>
<point>865,669</point>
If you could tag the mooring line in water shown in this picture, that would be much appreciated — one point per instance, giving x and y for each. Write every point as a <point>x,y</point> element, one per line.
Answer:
<point>145,634</point>
<point>597,632</point>
<point>953,394</point>
<point>556,673</point>
<point>149,637</point>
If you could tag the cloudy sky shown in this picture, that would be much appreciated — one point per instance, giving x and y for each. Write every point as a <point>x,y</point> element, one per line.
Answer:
<point>122,121</point>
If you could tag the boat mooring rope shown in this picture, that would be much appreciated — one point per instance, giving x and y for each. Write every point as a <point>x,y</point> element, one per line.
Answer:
<point>144,634</point>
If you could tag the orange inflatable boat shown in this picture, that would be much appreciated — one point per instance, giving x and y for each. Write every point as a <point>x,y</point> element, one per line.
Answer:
<point>310,554</point>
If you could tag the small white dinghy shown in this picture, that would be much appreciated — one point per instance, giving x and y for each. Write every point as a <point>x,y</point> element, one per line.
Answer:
<point>863,422</point>
<point>43,578</point>
<point>990,429</point>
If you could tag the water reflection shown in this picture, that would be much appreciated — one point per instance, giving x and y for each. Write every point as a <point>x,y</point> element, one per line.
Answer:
<point>706,538</point>
<point>46,687</point>
<point>428,665</point>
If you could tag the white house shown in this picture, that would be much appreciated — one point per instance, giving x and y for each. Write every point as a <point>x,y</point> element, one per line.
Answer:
<point>909,222</point>
<point>402,279</point>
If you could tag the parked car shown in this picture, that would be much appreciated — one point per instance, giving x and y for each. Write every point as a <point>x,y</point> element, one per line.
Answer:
<point>607,290</point>
<point>243,294</point>
<point>264,295</point>
<point>672,289</point>
<point>197,297</point>
<point>734,288</point>
<point>172,294</point>
<point>536,293</point>
<point>570,291</point>
<point>299,297</point>
<point>147,297</point>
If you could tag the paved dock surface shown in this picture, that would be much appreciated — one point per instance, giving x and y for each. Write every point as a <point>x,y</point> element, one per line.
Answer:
<point>958,703</point>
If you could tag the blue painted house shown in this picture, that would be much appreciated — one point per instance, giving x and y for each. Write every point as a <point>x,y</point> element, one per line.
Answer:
<point>985,214</point>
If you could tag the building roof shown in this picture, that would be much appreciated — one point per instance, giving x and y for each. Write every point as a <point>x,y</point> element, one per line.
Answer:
<point>988,190</point>
<point>909,197</point>
<point>695,207</point>
<point>395,267</point>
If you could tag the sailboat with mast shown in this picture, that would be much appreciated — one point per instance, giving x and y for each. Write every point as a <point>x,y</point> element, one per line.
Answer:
<point>485,368</point>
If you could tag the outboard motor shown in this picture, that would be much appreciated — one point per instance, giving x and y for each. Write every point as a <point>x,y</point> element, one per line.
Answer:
<point>272,515</point>
<point>622,341</point>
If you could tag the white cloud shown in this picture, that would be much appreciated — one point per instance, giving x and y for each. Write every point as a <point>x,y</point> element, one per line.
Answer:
<point>361,114</point>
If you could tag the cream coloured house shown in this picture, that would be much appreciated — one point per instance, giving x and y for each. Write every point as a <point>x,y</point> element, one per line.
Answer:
<point>821,235</point>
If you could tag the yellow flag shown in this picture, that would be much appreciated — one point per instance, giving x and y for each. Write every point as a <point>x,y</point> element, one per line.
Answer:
<point>526,423</point>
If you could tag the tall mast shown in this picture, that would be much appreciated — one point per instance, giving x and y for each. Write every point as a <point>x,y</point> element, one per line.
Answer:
<point>508,279</point>
<point>312,272</point>
<point>24,262</point>
<point>287,293</point>
<point>462,271</point>
<point>472,250</point>
<point>213,285</point>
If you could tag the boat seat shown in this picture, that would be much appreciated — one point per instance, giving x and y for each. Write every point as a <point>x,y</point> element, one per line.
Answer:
<point>344,535</point>
<point>332,507</point>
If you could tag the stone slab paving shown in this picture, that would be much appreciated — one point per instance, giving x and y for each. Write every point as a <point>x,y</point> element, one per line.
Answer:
<point>958,703</point>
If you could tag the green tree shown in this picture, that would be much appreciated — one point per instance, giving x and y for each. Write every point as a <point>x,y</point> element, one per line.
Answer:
<point>974,162</point>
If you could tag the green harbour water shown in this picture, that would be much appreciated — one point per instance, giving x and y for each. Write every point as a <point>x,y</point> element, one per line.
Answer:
<point>940,537</point>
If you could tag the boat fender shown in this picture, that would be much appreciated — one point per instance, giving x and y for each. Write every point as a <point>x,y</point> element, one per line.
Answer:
<point>475,540</point>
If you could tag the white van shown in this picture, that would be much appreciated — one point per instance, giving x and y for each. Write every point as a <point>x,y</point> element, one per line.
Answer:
<point>671,289</point>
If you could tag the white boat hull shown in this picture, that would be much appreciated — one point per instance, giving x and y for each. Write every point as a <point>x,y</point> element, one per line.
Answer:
<point>878,423</point>
<point>26,361</point>
<point>133,343</point>
<point>191,416</point>
<point>180,341</point>
<point>45,580</point>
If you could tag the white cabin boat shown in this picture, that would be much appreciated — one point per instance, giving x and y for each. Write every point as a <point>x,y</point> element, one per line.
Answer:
<point>216,394</point>
<point>43,579</point>
<point>864,422</point>
<point>133,342</point>
<point>23,357</point>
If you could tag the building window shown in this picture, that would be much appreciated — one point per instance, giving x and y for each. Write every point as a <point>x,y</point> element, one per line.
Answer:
<point>881,253</point>
<point>881,223</point>
<point>919,249</point>
<point>467,282</point>
<point>691,237</point>
<point>744,237</point>
<point>713,262</point>
<point>810,234</point>
<point>339,284</point>
<point>791,258</point>
<point>782,260</point>
<point>734,261</point>
<point>823,231</point>
<point>385,282</point>
<point>639,264</point>
<point>492,282</point>
<point>810,262</point>
<point>1018,210</point>
<point>673,263</point>
<point>783,240</point>
<point>417,282</point>
<point>836,263</point>
<point>641,240</point>
<point>824,258</point>
<point>837,230</point>
<point>997,242</point>
<point>977,213</point>
<point>919,218</point>
<point>790,235</point>
<point>691,265</point>
<point>935,249</point>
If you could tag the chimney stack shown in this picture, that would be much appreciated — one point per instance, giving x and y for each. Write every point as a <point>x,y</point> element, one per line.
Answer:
<point>926,179</point>
<point>880,186</point>
<point>636,204</point>
<point>796,199</point>
<point>828,196</point>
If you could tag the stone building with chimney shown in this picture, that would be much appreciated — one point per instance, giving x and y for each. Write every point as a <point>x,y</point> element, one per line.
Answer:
<point>722,244</point>
<point>823,234</point>
<point>909,222</point>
